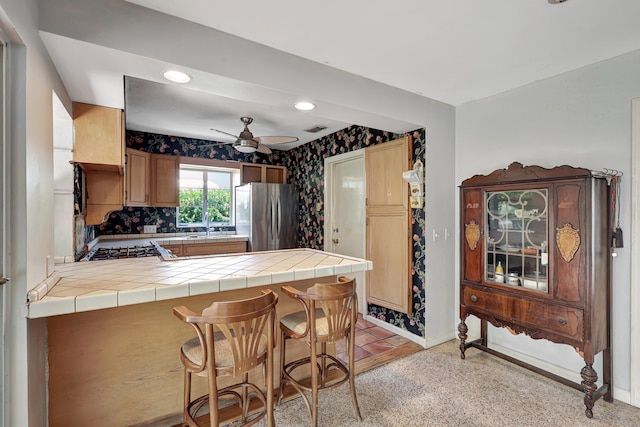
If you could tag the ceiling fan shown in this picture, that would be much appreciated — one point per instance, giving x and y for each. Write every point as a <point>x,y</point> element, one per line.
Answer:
<point>247,143</point>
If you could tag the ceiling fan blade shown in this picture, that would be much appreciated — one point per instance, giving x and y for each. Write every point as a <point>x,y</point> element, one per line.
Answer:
<point>214,144</point>
<point>263,149</point>
<point>272,140</point>
<point>226,133</point>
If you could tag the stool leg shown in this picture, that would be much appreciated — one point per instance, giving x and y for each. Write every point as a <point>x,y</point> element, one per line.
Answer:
<point>352,376</point>
<point>269,382</point>
<point>282,362</point>
<point>314,385</point>
<point>187,394</point>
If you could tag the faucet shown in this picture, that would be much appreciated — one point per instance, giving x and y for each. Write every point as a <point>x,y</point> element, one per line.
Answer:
<point>205,217</point>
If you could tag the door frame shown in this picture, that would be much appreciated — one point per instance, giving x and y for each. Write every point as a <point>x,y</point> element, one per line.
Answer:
<point>329,163</point>
<point>635,249</point>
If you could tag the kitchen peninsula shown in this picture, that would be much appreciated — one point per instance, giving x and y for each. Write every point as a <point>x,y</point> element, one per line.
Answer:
<point>113,342</point>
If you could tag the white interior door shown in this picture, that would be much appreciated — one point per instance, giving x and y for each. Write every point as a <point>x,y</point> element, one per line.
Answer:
<point>344,199</point>
<point>635,249</point>
<point>3,229</point>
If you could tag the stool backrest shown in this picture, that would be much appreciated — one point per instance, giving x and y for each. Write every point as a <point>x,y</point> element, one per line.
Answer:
<point>338,304</point>
<point>247,325</point>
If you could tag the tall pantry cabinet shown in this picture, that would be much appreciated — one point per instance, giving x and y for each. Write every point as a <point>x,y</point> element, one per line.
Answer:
<point>536,258</point>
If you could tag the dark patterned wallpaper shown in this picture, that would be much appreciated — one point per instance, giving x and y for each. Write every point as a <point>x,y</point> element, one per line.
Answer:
<point>305,166</point>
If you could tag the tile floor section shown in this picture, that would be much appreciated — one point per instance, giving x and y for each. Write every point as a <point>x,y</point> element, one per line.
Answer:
<point>370,341</point>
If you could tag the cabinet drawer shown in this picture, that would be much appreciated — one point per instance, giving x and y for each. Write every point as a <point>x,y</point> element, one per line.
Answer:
<point>535,315</point>
<point>214,248</point>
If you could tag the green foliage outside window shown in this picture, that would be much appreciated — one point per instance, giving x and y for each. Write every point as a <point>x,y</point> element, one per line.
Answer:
<point>190,211</point>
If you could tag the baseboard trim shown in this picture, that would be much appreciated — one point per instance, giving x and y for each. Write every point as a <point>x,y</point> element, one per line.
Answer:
<point>398,331</point>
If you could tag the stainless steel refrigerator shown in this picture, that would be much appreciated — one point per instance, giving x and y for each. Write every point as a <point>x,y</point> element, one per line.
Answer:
<point>268,215</point>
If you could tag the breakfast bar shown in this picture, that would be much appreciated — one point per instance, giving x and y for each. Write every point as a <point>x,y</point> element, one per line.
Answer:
<point>113,342</point>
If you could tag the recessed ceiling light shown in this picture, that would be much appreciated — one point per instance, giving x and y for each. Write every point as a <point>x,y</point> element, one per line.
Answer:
<point>304,106</point>
<point>177,76</point>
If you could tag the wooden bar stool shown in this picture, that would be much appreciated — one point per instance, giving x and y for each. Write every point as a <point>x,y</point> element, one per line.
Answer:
<point>330,314</point>
<point>238,336</point>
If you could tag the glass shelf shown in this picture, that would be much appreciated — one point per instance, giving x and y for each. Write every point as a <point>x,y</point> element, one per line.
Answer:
<point>516,238</point>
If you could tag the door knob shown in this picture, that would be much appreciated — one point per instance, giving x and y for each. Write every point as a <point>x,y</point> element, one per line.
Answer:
<point>336,241</point>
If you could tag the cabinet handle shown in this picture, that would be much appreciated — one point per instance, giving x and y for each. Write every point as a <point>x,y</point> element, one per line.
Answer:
<point>562,321</point>
<point>474,298</point>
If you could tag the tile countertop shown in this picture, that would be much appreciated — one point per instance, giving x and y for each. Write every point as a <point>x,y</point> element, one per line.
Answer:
<point>95,285</point>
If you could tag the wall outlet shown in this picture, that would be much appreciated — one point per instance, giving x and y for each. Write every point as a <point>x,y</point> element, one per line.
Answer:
<point>150,229</point>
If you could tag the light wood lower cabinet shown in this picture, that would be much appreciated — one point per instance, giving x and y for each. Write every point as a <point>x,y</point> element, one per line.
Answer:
<point>214,248</point>
<point>175,249</point>
<point>194,249</point>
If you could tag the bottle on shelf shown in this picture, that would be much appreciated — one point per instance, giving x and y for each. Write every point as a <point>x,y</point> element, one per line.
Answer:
<point>544,255</point>
<point>499,273</point>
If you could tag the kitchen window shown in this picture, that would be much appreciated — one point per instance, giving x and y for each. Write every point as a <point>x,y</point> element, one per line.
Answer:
<point>206,196</point>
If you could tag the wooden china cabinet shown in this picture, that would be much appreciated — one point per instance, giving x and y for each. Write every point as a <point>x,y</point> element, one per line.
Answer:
<point>536,258</point>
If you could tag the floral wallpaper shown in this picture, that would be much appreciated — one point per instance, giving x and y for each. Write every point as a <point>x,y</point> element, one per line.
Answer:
<point>305,168</point>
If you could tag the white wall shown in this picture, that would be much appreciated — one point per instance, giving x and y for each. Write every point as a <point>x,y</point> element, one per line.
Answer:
<point>63,198</point>
<point>30,202</point>
<point>441,195</point>
<point>581,118</point>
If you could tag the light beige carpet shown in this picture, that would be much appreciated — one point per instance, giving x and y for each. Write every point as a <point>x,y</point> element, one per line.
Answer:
<point>435,387</point>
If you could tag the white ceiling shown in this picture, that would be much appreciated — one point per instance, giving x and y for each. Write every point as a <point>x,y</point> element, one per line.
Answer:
<point>449,51</point>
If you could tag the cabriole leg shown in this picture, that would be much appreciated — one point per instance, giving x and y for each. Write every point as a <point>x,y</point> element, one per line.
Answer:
<point>462,334</point>
<point>589,378</point>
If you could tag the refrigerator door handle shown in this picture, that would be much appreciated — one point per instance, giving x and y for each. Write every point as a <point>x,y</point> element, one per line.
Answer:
<point>279,218</point>
<point>271,220</point>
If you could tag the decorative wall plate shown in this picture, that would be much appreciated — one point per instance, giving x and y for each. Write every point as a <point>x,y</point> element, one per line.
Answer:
<point>472,233</point>
<point>567,241</point>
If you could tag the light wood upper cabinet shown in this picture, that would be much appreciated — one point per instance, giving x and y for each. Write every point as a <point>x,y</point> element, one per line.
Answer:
<point>99,136</point>
<point>250,172</point>
<point>138,178</point>
<point>388,225</point>
<point>152,179</point>
<point>99,150</point>
<point>165,180</point>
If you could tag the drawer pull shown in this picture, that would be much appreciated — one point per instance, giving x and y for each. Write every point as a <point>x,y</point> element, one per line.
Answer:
<point>474,298</point>
<point>562,321</point>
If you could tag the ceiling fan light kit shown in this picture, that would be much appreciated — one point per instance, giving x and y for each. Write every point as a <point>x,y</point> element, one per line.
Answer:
<point>245,145</point>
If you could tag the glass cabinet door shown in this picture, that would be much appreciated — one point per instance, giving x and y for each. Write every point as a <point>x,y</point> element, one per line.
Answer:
<point>516,238</point>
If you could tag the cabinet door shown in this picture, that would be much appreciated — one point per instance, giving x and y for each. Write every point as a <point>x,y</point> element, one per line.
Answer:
<point>99,135</point>
<point>568,250</point>
<point>388,235</point>
<point>472,241</point>
<point>250,172</point>
<point>516,237</point>
<point>138,176</point>
<point>275,174</point>
<point>165,179</point>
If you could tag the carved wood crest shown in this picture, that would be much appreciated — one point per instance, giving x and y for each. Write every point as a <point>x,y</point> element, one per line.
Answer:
<point>567,241</point>
<point>472,234</point>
